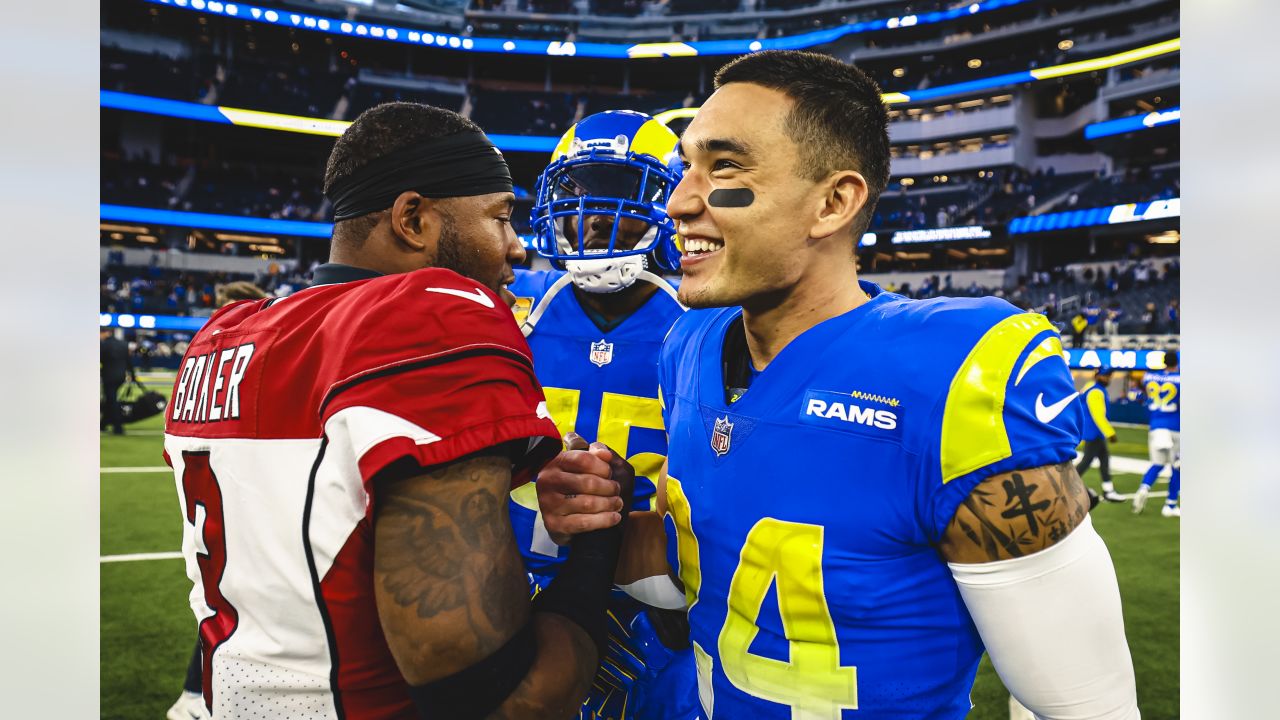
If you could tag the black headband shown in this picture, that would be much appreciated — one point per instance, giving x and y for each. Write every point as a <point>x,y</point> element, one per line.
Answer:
<point>459,165</point>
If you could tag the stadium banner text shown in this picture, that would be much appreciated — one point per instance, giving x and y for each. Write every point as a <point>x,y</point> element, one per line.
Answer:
<point>569,48</point>
<point>1086,359</point>
<point>1112,215</point>
<point>945,234</point>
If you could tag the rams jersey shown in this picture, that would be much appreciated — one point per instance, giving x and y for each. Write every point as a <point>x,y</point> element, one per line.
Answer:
<point>803,518</point>
<point>602,384</point>
<point>1164,398</point>
<point>1096,424</point>
<point>599,384</point>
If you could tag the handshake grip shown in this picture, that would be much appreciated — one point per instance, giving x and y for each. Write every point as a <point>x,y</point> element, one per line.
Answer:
<point>581,589</point>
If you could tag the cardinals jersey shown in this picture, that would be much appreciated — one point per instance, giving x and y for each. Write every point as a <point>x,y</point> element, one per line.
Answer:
<point>804,517</point>
<point>282,414</point>
<point>603,384</point>
<point>1164,397</point>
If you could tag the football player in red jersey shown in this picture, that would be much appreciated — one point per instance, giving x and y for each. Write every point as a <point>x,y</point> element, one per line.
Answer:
<point>343,455</point>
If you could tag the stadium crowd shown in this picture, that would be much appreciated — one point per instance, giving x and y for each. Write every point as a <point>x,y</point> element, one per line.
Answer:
<point>186,293</point>
<point>266,69</point>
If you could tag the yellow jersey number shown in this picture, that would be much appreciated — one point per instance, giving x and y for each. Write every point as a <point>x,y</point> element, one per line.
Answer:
<point>1162,396</point>
<point>813,682</point>
<point>618,414</point>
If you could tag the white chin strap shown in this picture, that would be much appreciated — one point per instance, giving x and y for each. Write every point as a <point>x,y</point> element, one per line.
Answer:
<point>606,275</point>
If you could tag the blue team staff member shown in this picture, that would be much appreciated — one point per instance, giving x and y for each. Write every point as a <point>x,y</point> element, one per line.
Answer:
<point>1098,432</point>
<point>1164,398</point>
<point>595,329</point>
<point>863,490</point>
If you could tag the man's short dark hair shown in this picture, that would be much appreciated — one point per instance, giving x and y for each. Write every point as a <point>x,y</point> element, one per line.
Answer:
<point>381,131</point>
<point>1171,358</point>
<point>839,121</point>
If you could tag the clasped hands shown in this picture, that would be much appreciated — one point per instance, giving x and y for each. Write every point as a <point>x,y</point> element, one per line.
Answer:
<point>584,488</point>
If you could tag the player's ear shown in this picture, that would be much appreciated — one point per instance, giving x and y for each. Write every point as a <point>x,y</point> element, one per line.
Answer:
<point>844,194</point>
<point>415,222</point>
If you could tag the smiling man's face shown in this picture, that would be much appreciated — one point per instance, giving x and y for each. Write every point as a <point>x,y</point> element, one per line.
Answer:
<point>742,209</point>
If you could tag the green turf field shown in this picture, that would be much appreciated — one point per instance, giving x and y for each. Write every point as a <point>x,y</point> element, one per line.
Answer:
<point>148,630</point>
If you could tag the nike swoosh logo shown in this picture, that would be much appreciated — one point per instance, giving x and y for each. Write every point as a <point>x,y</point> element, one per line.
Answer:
<point>1046,414</point>
<point>477,296</point>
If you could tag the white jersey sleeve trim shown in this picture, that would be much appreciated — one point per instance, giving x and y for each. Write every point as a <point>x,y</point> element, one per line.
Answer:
<point>363,428</point>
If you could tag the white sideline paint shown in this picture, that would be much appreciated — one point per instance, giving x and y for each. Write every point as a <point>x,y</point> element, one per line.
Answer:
<point>140,556</point>
<point>122,469</point>
<point>1128,465</point>
<point>1160,493</point>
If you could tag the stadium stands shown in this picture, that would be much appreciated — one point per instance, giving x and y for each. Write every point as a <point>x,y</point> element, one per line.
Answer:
<point>968,158</point>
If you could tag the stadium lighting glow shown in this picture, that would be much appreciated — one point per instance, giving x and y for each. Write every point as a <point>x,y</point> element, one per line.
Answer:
<point>595,49</point>
<point>1159,118</point>
<point>279,121</point>
<point>321,126</point>
<point>152,322</point>
<point>1090,217</point>
<point>210,221</point>
<point>1109,61</point>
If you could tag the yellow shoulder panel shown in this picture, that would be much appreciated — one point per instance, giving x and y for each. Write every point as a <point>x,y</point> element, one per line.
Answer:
<point>973,430</point>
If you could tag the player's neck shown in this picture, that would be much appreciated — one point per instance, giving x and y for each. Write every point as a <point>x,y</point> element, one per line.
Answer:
<point>772,326</point>
<point>615,306</point>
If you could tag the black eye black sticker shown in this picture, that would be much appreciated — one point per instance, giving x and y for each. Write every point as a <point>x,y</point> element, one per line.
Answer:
<point>731,198</point>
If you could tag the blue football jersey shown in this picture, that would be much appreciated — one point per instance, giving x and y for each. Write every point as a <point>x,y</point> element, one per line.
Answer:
<point>803,518</point>
<point>1164,398</point>
<point>604,386</point>
<point>1091,428</point>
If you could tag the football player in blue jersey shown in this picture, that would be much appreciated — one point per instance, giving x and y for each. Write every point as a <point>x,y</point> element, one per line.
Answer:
<point>595,329</point>
<point>1098,431</point>
<point>1164,397</point>
<point>863,491</point>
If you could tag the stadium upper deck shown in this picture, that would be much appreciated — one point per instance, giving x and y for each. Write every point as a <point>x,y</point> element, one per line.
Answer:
<point>1004,112</point>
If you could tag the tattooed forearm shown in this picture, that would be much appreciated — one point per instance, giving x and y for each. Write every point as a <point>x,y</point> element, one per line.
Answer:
<point>1016,514</point>
<point>451,590</point>
<point>448,580</point>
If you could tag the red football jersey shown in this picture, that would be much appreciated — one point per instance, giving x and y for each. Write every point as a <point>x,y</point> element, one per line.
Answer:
<point>282,413</point>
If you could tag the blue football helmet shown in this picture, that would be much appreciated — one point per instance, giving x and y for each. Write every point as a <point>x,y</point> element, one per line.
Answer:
<point>600,207</point>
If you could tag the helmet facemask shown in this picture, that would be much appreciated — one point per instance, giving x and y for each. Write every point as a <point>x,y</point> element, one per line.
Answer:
<point>597,186</point>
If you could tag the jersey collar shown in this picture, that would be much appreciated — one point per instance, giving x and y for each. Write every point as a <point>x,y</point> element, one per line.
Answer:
<point>335,273</point>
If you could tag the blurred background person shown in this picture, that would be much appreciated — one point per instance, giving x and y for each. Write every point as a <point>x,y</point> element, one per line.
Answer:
<point>1098,432</point>
<point>115,367</point>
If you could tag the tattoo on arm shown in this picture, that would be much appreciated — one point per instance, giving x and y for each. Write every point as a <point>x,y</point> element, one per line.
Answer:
<point>451,589</point>
<point>447,575</point>
<point>1016,514</point>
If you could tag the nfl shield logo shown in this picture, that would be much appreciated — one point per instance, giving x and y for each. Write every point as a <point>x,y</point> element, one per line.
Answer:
<point>601,353</point>
<point>721,434</point>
